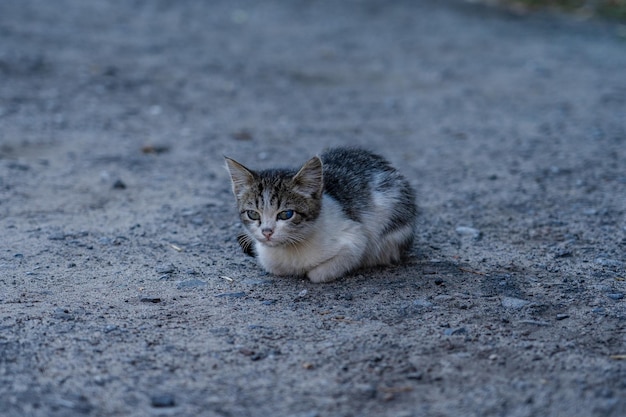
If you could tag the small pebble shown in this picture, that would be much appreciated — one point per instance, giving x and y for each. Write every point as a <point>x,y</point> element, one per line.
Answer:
<point>231,294</point>
<point>193,283</point>
<point>110,328</point>
<point>563,253</point>
<point>57,236</point>
<point>242,135</point>
<point>422,303</point>
<point>246,352</point>
<point>105,240</point>
<point>150,300</point>
<point>155,110</point>
<point>455,332</point>
<point>443,297</point>
<point>197,220</point>
<point>62,314</point>
<point>513,303</point>
<point>417,376</point>
<point>562,316</point>
<point>302,294</point>
<point>535,322</point>
<point>220,331</point>
<point>615,295</point>
<point>468,231</point>
<point>18,166</point>
<point>163,400</point>
<point>165,268</point>
<point>608,262</point>
<point>119,185</point>
<point>154,149</point>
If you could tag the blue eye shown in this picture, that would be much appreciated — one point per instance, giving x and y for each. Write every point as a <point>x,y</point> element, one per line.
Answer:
<point>285,215</point>
<point>253,215</point>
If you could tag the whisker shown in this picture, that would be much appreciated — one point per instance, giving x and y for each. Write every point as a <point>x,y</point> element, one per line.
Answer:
<point>247,245</point>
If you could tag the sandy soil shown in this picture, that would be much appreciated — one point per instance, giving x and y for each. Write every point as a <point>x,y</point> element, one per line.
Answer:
<point>123,290</point>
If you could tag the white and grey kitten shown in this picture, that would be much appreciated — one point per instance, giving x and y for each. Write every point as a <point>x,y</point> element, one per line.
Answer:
<point>343,210</point>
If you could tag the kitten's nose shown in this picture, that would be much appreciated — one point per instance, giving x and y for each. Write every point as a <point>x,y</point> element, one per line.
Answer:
<point>267,232</point>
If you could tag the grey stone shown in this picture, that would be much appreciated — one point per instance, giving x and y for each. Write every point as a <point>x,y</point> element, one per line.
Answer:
<point>150,299</point>
<point>608,262</point>
<point>514,303</point>
<point>231,294</point>
<point>119,185</point>
<point>166,269</point>
<point>468,231</point>
<point>455,332</point>
<point>163,400</point>
<point>422,303</point>
<point>193,283</point>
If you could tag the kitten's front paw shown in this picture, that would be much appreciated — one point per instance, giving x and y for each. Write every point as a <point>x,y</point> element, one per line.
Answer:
<point>321,274</point>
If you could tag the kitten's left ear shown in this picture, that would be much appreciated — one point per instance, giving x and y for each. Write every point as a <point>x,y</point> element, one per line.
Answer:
<point>309,181</point>
<point>240,176</point>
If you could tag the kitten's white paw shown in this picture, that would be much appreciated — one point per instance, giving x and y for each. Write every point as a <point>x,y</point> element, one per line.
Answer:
<point>321,274</point>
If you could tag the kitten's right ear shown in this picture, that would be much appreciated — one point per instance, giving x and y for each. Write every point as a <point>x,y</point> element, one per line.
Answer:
<point>240,176</point>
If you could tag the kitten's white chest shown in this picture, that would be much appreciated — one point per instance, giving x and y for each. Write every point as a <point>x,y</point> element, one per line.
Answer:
<point>334,234</point>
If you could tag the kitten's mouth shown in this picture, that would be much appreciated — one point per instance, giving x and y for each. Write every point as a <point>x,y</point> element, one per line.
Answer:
<point>270,242</point>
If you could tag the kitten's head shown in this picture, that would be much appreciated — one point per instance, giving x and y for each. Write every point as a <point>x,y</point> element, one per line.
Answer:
<point>278,207</point>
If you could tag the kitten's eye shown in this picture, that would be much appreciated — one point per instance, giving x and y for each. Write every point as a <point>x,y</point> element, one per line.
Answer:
<point>285,215</point>
<point>253,215</point>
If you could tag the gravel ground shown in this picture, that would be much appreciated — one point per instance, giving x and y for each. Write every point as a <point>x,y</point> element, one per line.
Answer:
<point>123,290</point>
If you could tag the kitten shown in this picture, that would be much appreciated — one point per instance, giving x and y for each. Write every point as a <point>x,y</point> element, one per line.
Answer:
<point>341,211</point>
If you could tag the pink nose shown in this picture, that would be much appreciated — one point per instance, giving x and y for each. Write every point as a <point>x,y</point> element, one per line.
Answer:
<point>267,233</point>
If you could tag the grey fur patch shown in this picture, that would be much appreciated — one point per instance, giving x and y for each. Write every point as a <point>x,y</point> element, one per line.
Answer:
<point>348,178</point>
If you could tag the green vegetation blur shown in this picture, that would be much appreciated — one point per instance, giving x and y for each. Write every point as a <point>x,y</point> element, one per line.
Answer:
<point>614,9</point>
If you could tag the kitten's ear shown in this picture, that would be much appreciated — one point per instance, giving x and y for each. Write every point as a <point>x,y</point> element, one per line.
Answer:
<point>240,176</point>
<point>309,181</point>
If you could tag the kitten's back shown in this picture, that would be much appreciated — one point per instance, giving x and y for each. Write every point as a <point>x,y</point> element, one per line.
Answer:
<point>372,192</point>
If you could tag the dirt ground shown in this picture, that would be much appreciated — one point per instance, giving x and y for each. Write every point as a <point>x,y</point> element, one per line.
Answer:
<point>123,291</point>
